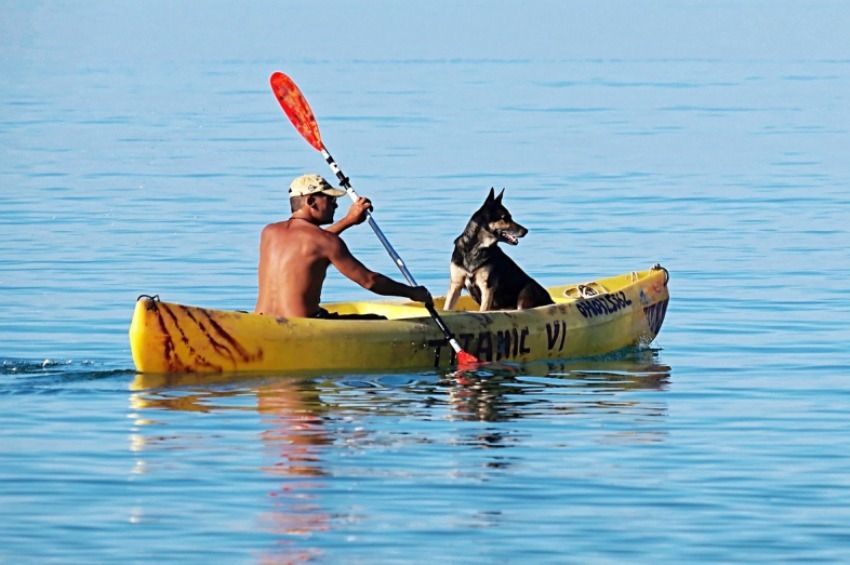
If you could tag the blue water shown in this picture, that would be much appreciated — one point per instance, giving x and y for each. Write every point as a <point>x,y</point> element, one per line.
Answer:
<point>141,152</point>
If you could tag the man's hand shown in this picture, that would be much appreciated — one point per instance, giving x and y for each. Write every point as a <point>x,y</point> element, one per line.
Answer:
<point>356,215</point>
<point>421,294</point>
<point>357,211</point>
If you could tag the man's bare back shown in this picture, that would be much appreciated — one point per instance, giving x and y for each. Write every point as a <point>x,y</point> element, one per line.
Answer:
<point>295,255</point>
<point>293,264</point>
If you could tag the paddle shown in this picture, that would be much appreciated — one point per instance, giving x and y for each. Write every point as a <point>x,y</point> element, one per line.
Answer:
<point>299,113</point>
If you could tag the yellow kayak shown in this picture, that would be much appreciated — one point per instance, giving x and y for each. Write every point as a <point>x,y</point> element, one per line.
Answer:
<point>587,319</point>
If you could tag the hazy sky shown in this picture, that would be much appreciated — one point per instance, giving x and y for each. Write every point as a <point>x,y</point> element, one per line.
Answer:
<point>69,33</point>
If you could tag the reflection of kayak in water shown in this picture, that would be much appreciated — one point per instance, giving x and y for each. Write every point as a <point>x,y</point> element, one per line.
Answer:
<point>588,319</point>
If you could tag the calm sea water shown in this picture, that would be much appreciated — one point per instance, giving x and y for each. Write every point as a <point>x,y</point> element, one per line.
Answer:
<point>726,441</point>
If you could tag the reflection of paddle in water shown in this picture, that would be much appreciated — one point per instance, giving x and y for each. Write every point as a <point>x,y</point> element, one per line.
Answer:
<point>499,392</point>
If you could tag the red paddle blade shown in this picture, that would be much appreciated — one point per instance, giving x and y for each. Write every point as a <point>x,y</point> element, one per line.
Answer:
<point>297,109</point>
<point>464,359</point>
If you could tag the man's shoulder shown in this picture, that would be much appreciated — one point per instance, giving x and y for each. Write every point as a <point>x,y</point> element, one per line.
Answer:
<point>292,228</point>
<point>270,230</point>
<point>276,225</point>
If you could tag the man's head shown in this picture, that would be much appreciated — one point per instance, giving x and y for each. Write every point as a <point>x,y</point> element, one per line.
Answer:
<point>317,194</point>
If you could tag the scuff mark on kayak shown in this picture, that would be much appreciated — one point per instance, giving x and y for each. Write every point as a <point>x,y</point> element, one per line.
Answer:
<point>172,360</point>
<point>246,356</point>
<point>482,319</point>
<point>655,316</point>
<point>179,329</point>
<point>220,348</point>
<point>198,358</point>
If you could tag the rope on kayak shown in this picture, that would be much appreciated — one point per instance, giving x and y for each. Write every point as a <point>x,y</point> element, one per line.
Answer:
<point>657,267</point>
<point>155,297</point>
<point>587,290</point>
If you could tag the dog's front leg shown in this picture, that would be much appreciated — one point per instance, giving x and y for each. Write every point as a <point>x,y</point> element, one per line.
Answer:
<point>457,277</point>
<point>482,290</point>
<point>487,296</point>
<point>452,295</point>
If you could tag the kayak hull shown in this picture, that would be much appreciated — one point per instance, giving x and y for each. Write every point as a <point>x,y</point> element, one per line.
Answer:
<point>586,320</point>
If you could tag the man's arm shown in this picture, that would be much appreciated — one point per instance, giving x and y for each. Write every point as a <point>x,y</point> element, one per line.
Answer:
<point>356,215</point>
<point>349,266</point>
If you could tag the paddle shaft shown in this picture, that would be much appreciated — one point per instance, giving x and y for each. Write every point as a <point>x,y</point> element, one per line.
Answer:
<point>346,183</point>
<point>298,111</point>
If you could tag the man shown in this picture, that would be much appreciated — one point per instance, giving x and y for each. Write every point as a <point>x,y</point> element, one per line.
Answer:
<point>295,254</point>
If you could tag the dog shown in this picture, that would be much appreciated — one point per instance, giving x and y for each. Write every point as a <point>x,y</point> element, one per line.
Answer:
<point>480,265</point>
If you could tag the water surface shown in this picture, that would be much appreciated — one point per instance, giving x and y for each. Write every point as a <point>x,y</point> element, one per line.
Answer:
<point>725,441</point>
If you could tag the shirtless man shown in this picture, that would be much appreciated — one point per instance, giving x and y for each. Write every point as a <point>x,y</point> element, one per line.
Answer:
<point>295,254</point>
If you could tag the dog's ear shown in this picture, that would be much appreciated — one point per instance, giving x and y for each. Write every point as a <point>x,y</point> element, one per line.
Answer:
<point>491,197</point>
<point>499,198</point>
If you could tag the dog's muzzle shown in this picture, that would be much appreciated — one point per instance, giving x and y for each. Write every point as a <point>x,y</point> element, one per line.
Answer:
<point>509,237</point>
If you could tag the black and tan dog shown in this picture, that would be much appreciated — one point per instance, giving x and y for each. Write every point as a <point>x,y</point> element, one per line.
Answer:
<point>490,276</point>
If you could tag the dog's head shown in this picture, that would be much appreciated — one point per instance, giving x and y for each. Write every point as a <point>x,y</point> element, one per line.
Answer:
<point>496,221</point>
